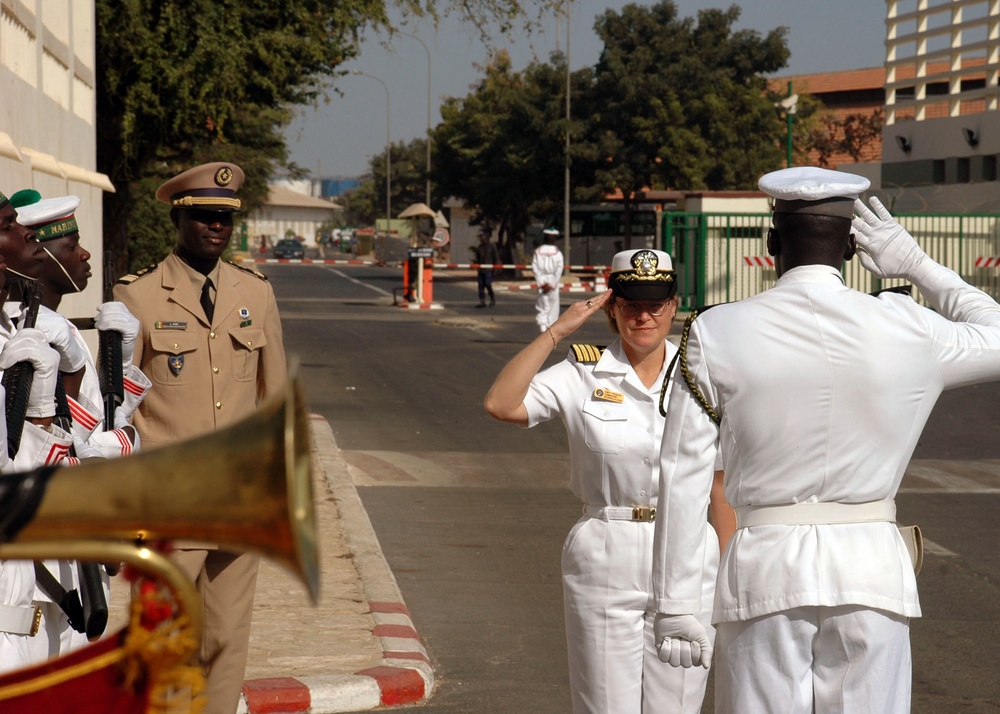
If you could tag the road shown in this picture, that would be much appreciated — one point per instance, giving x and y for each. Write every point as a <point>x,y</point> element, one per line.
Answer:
<point>471,513</point>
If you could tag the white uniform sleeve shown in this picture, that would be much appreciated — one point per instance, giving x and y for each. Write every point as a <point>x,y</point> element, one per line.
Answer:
<point>687,459</point>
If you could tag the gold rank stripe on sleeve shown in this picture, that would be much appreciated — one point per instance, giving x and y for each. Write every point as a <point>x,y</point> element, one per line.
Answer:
<point>587,354</point>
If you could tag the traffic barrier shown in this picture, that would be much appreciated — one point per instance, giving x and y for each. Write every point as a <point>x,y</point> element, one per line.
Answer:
<point>992,261</point>
<point>435,266</point>
<point>759,261</point>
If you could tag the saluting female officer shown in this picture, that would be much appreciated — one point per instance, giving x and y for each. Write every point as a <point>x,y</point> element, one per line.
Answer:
<point>609,402</point>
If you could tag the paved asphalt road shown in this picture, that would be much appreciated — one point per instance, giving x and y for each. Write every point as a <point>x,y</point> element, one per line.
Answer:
<point>471,513</point>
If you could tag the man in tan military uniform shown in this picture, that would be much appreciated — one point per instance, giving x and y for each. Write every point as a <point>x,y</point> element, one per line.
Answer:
<point>210,341</point>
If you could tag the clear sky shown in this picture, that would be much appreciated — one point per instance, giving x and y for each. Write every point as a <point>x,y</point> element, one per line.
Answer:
<point>338,137</point>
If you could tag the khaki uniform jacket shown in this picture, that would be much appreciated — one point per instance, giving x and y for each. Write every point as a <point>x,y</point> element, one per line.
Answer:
<point>205,377</point>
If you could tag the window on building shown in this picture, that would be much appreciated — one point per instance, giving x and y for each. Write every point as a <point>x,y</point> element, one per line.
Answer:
<point>962,173</point>
<point>937,171</point>
<point>990,168</point>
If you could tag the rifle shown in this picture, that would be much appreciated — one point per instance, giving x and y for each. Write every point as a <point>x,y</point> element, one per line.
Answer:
<point>110,355</point>
<point>91,602</point>
<point>17,382</point>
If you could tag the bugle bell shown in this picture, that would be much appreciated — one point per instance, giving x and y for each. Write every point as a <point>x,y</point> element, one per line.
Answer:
<point>246,487</point>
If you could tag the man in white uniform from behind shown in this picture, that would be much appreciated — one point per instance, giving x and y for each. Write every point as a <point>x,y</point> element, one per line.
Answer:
<point>817,394</point>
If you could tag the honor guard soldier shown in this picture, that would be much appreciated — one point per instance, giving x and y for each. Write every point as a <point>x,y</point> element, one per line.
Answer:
<point>66,270</point>
<point>817,394</point>
<point>210,341</point>
<point>38,441</point>
<point>608,400</point>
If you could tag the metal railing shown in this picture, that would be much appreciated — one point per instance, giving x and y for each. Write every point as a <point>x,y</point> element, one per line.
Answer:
<point>722,257</point>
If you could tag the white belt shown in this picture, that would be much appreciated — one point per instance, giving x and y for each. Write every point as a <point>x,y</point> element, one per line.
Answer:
<point>642,514</point>
<point>814,514</point>
<point>20,620</point>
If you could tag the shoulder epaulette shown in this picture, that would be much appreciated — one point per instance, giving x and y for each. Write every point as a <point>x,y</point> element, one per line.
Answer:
<point>132,277</point>
<point>901,289</point>
<point>681,356</point>
<point>587,354</point>
<point>255,273</point>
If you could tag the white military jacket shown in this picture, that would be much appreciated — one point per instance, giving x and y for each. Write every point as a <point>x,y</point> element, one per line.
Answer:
<point>823,392</point>
<point>613,444</point>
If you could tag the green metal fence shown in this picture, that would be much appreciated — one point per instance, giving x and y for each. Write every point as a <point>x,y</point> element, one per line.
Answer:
<point>722,257</point>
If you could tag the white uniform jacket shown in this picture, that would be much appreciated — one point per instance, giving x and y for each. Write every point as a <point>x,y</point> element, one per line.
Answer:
<point>823,392</point>
<point>38,447</point>
<point>547,265</point>
<point>613,449</point>
<point>88,409</point>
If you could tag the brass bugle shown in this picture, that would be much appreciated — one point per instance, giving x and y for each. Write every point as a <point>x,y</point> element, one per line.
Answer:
<point>245,487</point>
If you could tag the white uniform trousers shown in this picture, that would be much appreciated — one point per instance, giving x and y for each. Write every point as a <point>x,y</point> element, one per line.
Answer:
<point>607,586</point>
<point>814,660</point>
<point>547,309</point>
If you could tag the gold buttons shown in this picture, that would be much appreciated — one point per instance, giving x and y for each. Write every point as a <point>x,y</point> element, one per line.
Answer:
<point>212,335</point>
<point>218,405</point>
<point>215,370</point>
<point>249,343</point>
<point>175,345</point>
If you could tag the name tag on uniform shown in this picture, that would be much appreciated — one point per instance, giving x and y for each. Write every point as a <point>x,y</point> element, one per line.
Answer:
<point>606,395</point>
<point>171,325</point>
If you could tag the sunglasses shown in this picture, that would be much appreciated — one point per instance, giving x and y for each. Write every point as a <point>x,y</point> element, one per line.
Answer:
<point>634,309</point>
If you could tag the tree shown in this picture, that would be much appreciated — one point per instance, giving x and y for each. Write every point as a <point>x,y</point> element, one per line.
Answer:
<point>407,183</point>
<point>683,104</point>
<point>851,135</point>
<point>501,149</point>
<point>181,82</point>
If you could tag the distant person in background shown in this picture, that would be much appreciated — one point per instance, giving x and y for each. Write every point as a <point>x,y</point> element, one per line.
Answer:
<point>547,265</point>
<point>487,256</point>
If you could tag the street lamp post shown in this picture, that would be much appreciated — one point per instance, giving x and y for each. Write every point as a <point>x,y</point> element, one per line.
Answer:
<point>424,45</point>
<point>388,156</point>
<point>566,195</point>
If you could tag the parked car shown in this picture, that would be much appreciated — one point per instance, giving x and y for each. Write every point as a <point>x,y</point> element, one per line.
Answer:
<point>289,248</point>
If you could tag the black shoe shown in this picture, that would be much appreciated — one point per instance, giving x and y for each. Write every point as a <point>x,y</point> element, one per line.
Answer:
<point>482,304</point>
<point>493,302</point>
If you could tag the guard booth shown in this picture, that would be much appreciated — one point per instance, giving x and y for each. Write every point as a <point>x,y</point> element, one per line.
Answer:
<point>418,277</point>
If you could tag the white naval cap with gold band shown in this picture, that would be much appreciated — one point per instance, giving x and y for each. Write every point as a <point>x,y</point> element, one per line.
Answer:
<point>643,274</point>
<point>211,187</point>
<point>50,218</point>
<point>810,189</point>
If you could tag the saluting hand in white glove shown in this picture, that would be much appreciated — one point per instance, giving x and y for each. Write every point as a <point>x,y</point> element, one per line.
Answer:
<point>682,641</point>
<point>72,354</point>
<point>884,247</point>
<point>31,345</point>
<point>114,316</point>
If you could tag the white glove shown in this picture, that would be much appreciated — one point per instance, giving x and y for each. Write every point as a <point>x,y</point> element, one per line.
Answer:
<point>58,332</point>
<point>84,450</point>
<point>31,345</point>
<point>114,316</point>
<point>886,249</point>
<point>121,422</point>
<point>681,641</point>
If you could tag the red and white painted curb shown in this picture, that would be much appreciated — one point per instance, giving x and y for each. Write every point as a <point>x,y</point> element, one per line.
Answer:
<point>404,676</point>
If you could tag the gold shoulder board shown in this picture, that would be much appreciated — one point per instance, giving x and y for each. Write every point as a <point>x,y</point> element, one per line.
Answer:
<point>255,273</point>
<point>132,277</point>
<point>587,354</point>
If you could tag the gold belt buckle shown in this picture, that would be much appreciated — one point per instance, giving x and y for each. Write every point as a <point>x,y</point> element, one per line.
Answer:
<point>646,514</point>
<point>37,622</point>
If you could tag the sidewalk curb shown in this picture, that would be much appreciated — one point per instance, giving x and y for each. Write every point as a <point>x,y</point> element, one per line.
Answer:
<point>405,675</point>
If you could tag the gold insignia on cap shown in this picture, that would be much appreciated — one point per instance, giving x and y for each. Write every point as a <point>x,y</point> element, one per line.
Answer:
<point>644,268</point>
<point>223,176</point>
<point>644,262</point>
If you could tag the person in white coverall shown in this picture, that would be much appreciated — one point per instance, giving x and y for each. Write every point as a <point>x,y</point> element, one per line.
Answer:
<point>609,402</point>
<point>547,267</point>
<point>817,394</point>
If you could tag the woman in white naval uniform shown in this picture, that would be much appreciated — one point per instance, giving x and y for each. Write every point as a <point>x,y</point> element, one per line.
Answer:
<point>610,405</point>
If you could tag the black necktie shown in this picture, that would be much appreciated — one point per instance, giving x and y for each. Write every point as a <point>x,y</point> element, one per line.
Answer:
<point>206,300</point>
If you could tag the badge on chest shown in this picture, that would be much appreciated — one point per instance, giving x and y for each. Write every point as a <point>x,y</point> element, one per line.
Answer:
<point>606,395</point>
<point>176,363</point>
